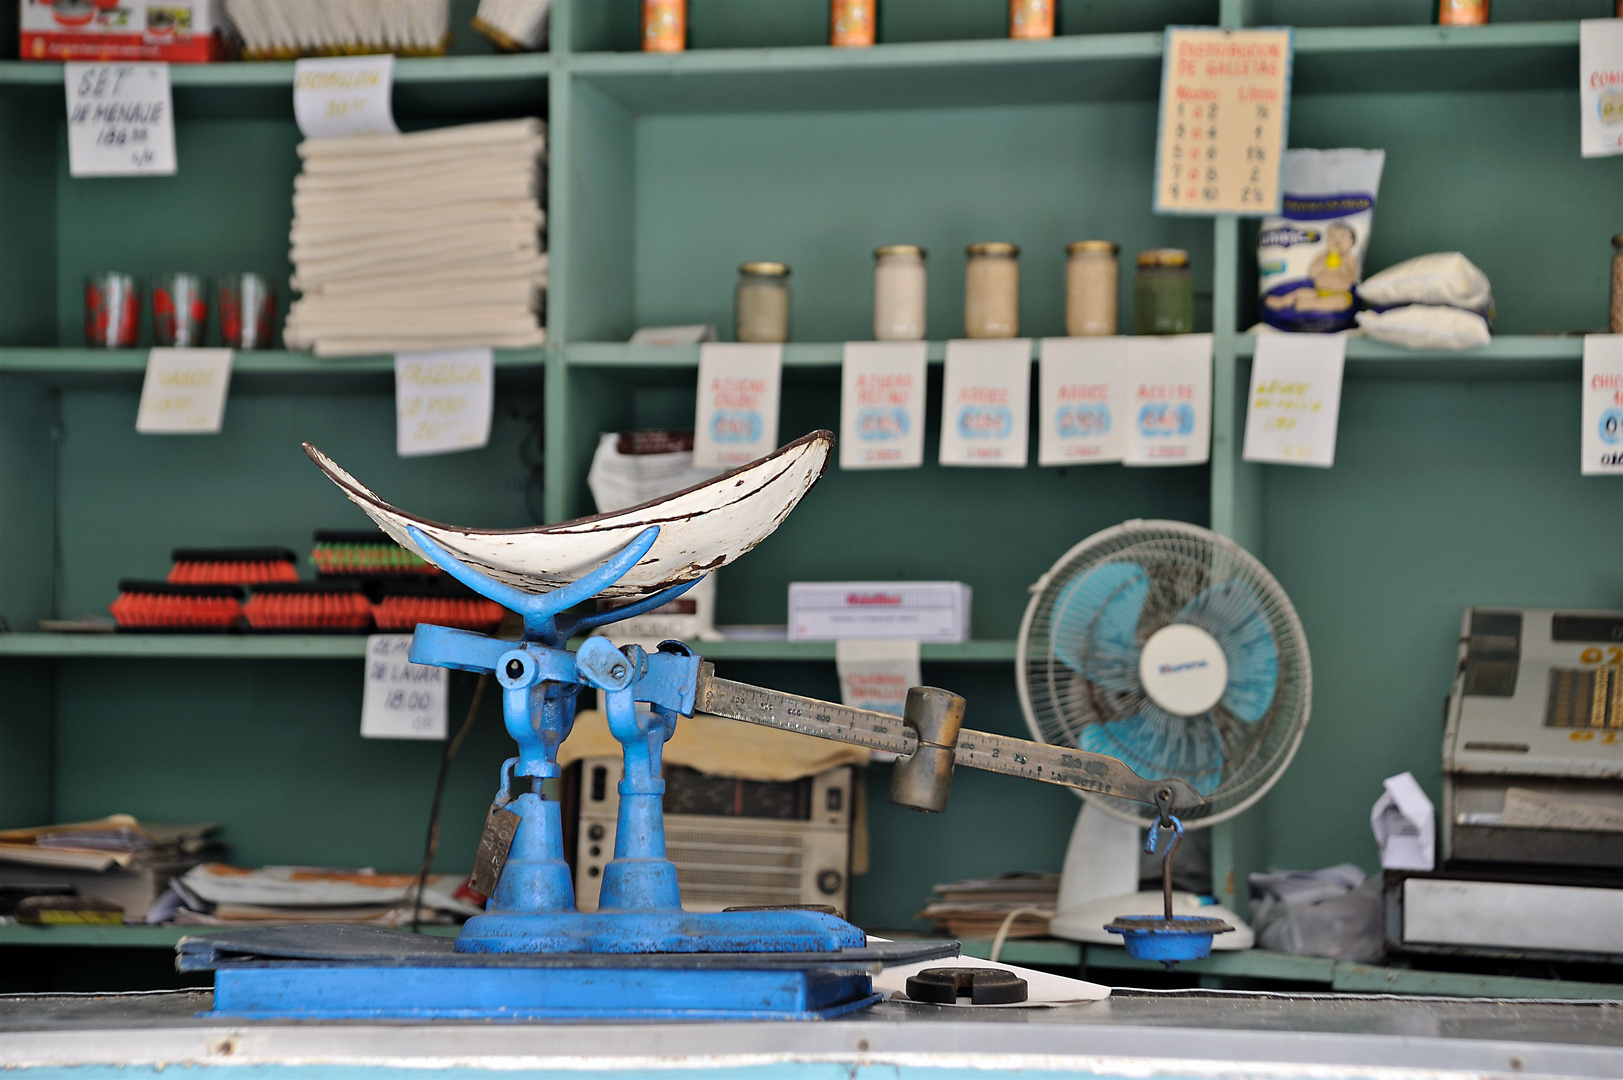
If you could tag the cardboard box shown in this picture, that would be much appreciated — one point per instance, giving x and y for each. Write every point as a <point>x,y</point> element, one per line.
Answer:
<point>175,31</point>
<point>917,610</point>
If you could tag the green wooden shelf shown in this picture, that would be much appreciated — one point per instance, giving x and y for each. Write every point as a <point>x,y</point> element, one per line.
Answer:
<point>353,647</point>
<point>126,937</point>
<point>425,86</point>
<point>84,368</point>
<point>187,646</point>
<point>935,74</point>
<point>1507,357</point>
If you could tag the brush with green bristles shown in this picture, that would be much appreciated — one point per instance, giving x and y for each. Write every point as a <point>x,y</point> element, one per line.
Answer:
<point>365,553</point>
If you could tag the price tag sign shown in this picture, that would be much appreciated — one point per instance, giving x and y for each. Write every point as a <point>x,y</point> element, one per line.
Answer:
<point>120,120</point>
<point>335,96</point>
<point>1603,405</point>
<point>1295,399</point>
<point>1169,386</point>
<point>401,700</point>
<point>986,403</point>
<point>184,392</point>
<point>1225,99</point>
<point>1600,86</point>
<point>882,405</point>
<point>443,400</point>
<point>737,416</point>
<point>1082,400</point>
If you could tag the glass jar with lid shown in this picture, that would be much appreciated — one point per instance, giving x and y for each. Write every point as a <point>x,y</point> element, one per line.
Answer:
<point>898,293</point>
<point>992,291</point>
<point>761,302</point>
<point>1163,293</point>
<point>1091,288</point>
<point>1617,281</point>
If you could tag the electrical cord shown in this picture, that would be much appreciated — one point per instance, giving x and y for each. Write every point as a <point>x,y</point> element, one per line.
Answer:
<point>1008,922</point>
<point>439,793</point>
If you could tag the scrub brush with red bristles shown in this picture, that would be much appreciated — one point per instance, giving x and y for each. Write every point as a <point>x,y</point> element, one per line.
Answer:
<point>365,553</point>
<point>402,605</point>
<point>310,607</point>
<point>164,605</point>
<point>233,566</point>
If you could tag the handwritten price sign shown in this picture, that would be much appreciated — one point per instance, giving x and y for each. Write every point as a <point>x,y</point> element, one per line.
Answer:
<point>1295,400</point>
<point>344,95</point>
<point>1225,96</point>
<point>184,392</point>
<point>401,700</point>
<point>120,120</point>
<point>443,400</point>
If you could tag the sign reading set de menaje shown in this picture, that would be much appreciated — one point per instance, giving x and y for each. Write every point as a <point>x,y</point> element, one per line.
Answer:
<point>120,120</point>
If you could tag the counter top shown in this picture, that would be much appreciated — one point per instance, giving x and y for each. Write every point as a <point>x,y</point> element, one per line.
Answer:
<point>1134,1033</point>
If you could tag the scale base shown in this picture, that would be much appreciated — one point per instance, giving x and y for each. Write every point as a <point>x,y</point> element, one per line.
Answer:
<point>656,932</point>
<point>326,972</point>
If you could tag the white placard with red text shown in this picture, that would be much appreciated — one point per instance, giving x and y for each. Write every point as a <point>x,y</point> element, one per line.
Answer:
<point>1081,400</point>
<point>1169,403</point>
<point>882,405</point>
<point>985,403</point>
<point>1600,86</point>
<point>737,417</point>
<point>876,674</point>
<point>1603,405</point>
<point>1295,401</point>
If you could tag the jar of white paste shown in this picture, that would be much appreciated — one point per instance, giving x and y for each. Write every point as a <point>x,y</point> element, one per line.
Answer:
<point>898,293</point>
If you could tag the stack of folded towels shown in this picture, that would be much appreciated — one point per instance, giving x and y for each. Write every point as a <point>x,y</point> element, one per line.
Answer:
<point>431,240</point>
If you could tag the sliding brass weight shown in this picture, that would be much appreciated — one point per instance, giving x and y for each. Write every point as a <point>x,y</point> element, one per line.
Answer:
<point>923,780</point>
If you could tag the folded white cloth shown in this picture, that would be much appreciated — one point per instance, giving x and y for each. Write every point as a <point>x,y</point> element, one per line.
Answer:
<point>427,240</point>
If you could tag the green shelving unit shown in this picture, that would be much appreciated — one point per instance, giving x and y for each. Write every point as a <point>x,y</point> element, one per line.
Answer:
<point>1456,479</point>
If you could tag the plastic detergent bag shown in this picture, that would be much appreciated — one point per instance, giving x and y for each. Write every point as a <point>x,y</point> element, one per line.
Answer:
<point>1310,257</point>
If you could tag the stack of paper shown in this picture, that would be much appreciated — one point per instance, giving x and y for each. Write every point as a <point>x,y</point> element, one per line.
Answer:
<point>430,240</point>
<point>115,840</point>
<point>117,858</point>
<point>977,907</point>
<point>218,895</point>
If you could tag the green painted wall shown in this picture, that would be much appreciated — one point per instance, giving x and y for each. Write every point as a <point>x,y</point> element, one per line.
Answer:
<point>1443,495</point>
<point>821,190</point>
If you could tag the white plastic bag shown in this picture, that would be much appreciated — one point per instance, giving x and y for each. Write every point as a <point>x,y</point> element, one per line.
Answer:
<point>1311,256</point>
<point>1446,278</point>
<point>1333,913</point>
<point>1424,326</point>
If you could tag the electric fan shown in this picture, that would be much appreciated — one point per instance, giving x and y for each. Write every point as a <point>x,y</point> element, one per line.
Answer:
<point>1173,649</point>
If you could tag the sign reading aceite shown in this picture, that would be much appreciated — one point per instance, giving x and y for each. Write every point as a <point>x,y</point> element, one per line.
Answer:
<point>1225,104</point>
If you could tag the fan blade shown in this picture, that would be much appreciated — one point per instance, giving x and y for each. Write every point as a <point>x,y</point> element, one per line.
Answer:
<point>1230,613</point>
<point>1159,746</point>
<point>1094,625</point>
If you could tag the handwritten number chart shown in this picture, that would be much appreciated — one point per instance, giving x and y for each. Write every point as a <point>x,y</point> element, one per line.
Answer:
<point>1225,100</point>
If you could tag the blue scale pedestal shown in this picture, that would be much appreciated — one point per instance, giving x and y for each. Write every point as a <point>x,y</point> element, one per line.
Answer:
<point>532,954</point>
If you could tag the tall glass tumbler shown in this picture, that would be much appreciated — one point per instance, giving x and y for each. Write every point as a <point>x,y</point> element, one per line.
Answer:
<point>112,310</point>
<point>247,310</point>
<point>180,310</point>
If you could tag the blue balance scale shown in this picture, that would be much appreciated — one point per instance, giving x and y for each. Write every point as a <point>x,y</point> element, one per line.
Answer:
<point>532,954</point>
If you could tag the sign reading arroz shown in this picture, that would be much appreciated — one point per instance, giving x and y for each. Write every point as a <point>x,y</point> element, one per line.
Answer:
<point>917,610</point>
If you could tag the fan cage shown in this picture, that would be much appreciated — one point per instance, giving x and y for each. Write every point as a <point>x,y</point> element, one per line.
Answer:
<point>1182,561</point>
